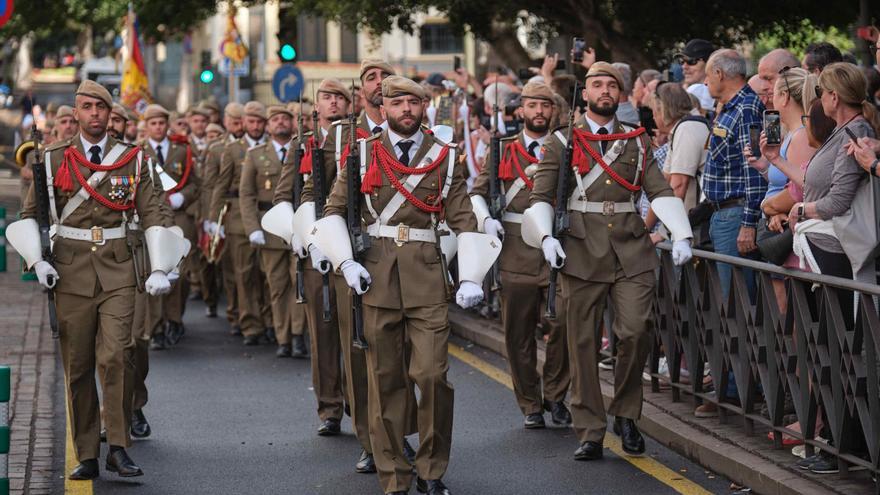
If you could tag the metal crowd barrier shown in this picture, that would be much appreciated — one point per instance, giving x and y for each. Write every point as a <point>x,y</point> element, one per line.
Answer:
<point>809,353</point>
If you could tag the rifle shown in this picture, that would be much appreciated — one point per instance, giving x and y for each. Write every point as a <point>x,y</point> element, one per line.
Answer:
<point>320,199</point>
<point>297,197</point>
<point>496,196</point>
<point>561,220</point>
<point>360,241</point>
<point>41,193</point>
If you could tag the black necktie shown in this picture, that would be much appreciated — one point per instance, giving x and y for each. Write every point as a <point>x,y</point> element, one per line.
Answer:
<point>532,147</point>
<point>283,154</point>
<point>377,129</point>
<point>159,155</point>
<point>96,154</point>
<point>602,132</point>
<point>404,148</point>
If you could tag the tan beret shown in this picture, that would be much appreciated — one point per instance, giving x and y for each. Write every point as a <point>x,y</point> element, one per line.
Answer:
<point>132,115</point>
<point>375,63</point>
<point>211,105</point>
<point>234,110</point>
<point>175,115</point>
<point>94,90</point>
<point>212,127</point>
<point>64,111</point>
<point>155,110</point>
<point>605,69</point>
<point>199,110</point>
<point>255,109</point>
<point>334,86</point>
<point>538,91</point>
<point>393,86</point>
<point>119,110</point>
<point>277,109</point>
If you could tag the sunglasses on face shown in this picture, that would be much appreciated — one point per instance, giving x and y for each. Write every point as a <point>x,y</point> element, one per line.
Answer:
<point>690,61</point>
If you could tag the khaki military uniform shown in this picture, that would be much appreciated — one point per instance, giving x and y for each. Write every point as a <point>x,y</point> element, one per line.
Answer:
<point>226,266</point>
<point>609,255</point>
<point>408,300</point>
<point>94,299</point>
<point>259,174</point>
<point>174,303</point>
<point>525,277</point>
<point>248,279</point>
<point>203,275</point>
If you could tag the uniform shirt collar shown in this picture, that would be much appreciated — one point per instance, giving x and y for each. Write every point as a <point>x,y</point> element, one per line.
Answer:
<point>594,126</point>
<point>529,140</point>
<point>253,142</point>
<point>415,138</point>
<point>165,145</point>
<point>372,125</point>
<point>200,142</point>
<point>278,147</point>
<point>87,145</point>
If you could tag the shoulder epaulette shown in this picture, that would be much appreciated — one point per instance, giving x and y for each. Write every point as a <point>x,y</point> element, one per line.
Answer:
<point>509,138</point>
<point>259,147</point>
<point>628,124</point>
<point>373,137</point>
<point>59,144</point>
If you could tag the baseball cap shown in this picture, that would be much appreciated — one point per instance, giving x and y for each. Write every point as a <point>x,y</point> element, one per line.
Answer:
<point>696,49</point>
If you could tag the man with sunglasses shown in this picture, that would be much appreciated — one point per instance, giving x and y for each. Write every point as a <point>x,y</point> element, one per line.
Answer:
<point>693,62</point>
<point>771,66</point>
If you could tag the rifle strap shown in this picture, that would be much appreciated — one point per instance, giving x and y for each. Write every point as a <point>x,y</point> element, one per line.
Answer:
<point>53,211</point>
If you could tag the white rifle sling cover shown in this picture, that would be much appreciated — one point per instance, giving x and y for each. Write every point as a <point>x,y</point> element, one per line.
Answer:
<point>165,248</point>
<point>278,221</point>
<point>476,255</point>
<point>303,220</point>
<point>24,236</point>
<point>481,211</point>
<point>448,242</point>
<point>537,224</point>
<point>330,235</point>
<point>670,211</point>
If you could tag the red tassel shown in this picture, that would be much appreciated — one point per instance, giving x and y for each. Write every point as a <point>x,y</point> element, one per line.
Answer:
<point>505,168</point>
<point>63,180</point>
<point>373,177</point>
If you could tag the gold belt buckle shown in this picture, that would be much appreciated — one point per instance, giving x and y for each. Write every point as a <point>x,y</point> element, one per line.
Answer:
<point>402,235</point>
<point>608,208</point>
<point>97,235</point>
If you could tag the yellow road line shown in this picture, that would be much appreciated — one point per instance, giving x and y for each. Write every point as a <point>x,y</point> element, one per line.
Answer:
<point>647,464</point>
<point>72,487</point>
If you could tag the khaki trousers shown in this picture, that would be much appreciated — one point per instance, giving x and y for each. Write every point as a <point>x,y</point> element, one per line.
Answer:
<point>206,275</point>
<point>389,376</point>
<point>631,300</point>
<point>248,282</point>
<point>523,300</point>
<point>96,334</point>
<point>275,263</point>
<point>175,301</point>
<point>142,330</point>
<point>325,347</point>
<point>227,269</point>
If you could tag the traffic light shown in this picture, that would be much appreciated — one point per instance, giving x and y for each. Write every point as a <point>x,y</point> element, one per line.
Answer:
<point>287,35</point>
<point>287,53</point>
<point>206,76</point>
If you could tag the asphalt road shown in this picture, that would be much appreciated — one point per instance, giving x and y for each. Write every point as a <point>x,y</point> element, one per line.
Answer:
<point>233,420</point>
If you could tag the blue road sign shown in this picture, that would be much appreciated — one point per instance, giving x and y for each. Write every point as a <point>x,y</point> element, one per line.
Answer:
<point>288,83</point>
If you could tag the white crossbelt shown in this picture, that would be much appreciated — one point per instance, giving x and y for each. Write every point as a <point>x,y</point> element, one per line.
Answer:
<point>97,235</point>
<point>512,217</point>
<point>604,207</point>
<point>401,233</point>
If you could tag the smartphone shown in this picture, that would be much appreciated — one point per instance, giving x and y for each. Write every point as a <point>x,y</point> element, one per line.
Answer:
<point>456,64</point>
<point>772,127</point>
<point>578,47</point>
<point>560,64</point>
<point>755,139</point>
<point>852,136</point>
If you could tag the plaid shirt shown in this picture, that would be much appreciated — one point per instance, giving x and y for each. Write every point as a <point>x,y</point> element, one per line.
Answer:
<point>727,174</point>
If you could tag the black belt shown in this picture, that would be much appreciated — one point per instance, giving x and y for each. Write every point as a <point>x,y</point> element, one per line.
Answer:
<point>232,194</point>
<point>264,205</point>
<point>727,203</point>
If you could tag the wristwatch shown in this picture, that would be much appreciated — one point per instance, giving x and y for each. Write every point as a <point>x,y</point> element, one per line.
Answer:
<point>800,211</point>
<point>874,167</point>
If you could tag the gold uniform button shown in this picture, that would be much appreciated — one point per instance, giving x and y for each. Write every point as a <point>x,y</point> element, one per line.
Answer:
<point>608,182</point>
<point>610,225</point>
<point>94,248</point>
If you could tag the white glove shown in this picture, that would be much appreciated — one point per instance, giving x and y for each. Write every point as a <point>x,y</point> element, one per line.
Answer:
<point>493,227</point>
<point>211,227</point>
<point>222,231</point>
<point>157,284</point>
<point>319,261</point>
<point>44,271</point>
<point>297,247</point>
<point>681,252</point>
<point>553,252</point>
<point>176,200</point>
<point>354,273</point>
<point>206,226</point>
<point>469,294</point>
<point>173,275</point>
<point>257,238</point>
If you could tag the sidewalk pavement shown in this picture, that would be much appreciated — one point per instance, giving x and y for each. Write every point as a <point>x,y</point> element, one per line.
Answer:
<point>725,448</point>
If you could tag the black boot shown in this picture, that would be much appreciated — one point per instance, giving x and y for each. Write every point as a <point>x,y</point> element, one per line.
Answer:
<point>283,351</point>
<point>365,463</point>
<point>86,470</point>
<point>139,426</point>
<point>588,451</point>
<point>173,332</point>
<point>158,342</point>
<point>630,438</point>
<point>269,334</point>
<point>329,427</point>
<point>558,412</point>
<point>298,347</point>
<point>211,311</point>
<point>119,462</point>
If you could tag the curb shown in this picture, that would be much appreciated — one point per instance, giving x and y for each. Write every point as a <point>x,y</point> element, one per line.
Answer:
<point>743,467</point>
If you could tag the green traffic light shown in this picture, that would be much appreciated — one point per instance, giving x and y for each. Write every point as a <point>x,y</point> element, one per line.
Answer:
<point>207,76</point>
<point>287,52</point>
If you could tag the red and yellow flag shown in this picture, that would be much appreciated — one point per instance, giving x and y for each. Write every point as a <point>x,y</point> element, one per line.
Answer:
<point>135,87</point>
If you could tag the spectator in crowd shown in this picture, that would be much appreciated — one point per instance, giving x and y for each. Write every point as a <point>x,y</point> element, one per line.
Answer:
<point>626,112</point>
<point>693,61</point>
<point>866,152</point>
<point>830,186</point>
<point>734,189</point>
<point>771,65</point>
<point>818,55</point>
<point>640,95</point>
<point>762,89</point>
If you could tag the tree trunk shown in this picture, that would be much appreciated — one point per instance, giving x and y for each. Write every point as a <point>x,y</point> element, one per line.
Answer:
<point>507,47</point>
<point>84,43</point>
<point>23,65</point>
